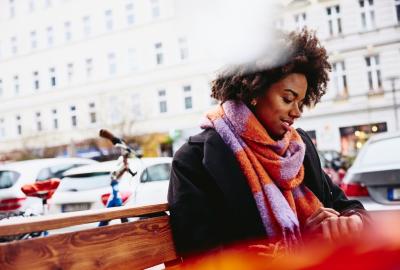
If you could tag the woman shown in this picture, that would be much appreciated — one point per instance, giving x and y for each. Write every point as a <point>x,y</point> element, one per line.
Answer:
<point>250,175</point>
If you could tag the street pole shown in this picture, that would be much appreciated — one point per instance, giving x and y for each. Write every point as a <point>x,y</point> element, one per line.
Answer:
<point>393,82</point>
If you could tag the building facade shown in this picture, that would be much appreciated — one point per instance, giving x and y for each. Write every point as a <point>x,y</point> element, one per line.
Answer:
<point>363,41</point>
<point>69,68</point>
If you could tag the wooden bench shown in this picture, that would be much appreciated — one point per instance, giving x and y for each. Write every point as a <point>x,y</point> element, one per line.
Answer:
<point>139,244</point>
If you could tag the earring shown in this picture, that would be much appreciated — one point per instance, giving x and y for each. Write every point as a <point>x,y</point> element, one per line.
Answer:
<point>253,102</point>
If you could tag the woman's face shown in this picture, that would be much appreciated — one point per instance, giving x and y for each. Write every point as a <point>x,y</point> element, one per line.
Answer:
<point>282,104</point>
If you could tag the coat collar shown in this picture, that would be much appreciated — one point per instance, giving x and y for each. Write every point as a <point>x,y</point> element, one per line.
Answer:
<point>227,176</point>
<point>232,181</point>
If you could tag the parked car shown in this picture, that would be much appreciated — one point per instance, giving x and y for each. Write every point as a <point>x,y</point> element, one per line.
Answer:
<point>374,177</point>
<point>335,175</point>
<point>88,187</point>
<point>16,174</point>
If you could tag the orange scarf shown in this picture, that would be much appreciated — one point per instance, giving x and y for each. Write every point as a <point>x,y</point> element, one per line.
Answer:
<point>273,169</point>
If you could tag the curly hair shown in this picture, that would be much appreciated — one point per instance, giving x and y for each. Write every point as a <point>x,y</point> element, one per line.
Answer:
<point>305,55</point>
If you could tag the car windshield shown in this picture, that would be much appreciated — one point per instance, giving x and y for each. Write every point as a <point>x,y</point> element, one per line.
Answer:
<point>381,152</point>
<point>8,179</point>
<point>157,172</point>
<point>85,181</point>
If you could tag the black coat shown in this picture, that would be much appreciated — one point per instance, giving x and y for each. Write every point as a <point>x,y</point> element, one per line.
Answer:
<point>211,204</point>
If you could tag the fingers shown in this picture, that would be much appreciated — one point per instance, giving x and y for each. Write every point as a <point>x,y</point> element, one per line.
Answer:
<point>344,227</point>
<point>326,232</point>
<point>314,221</point>
<point>335,228</point>
<point>355,224</point>
<point>323,209</point>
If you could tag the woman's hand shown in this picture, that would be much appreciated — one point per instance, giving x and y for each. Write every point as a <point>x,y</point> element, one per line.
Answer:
<point>335,228</point>
<point>331,225</point>
<point>314,222</point>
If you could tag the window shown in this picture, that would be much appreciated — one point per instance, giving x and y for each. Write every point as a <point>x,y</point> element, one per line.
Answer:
<point>70,71</point>
<point>36,80</point>
<point>72,110</point>
<point>8,178</point>
<point>183,48</point>
<point>132,61</point>
<point>280,23</point>
<point>92,113</point>
<point>50,36</point>
<point>14,46</point>
<point>187,92</point>
<point>33,40</point>
<point>112,64</point>
<point>374,73</point>
<point>52,72</point>
<point>130,17</point>
<point>39,126</point>
<point>162,95</point>
<point>16,84</point>
<point>397,5</point>
<point>158,172</point>
<point>55,119</point>
<point>1,87</point>
<point>89,67</point>
<point>340,80</point>
<point>334,21</point>
<point>31,6</point>
<point>300,20</point>
<point>136,106</point>
<point>86,26</point>
<point>115,110</point>
<point>367,14</point>
<point>12,8</point>
<point>159,53</point>
<point>19,126</point>
<point>2,128</point>
<point>109,19</point>
<point>155,8</point>
<point>67,30</point>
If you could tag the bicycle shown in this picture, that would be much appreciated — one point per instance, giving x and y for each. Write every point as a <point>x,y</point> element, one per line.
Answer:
<point>43,190</point>
<point>125,153</point>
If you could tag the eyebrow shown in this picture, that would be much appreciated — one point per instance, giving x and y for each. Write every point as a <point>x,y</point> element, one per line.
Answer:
<point>293,92</point>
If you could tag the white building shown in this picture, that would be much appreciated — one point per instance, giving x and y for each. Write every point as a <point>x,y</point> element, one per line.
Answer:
<point>69,68</point>
<point>363,40</point>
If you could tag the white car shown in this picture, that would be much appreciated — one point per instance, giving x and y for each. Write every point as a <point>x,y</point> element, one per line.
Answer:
<point>374,177</point>
<point>16,174</point>
<point>88,187</point>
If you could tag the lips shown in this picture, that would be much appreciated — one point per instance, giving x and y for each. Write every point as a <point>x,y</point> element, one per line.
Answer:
<point>287,123</point>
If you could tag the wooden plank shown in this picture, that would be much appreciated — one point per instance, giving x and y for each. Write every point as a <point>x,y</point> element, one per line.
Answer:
<point>40,223</point>
<point>133,245</point>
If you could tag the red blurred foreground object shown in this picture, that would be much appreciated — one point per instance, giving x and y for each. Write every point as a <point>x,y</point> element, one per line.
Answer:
<point>377,248</point>
<point>42,189</point>
<point>124,196</point>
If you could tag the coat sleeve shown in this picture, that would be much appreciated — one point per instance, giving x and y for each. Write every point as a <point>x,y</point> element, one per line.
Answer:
<point>342,204</point>
<point>193,205</point>
<point>332,196</point>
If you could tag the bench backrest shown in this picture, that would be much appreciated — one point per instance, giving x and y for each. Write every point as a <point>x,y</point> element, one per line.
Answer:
<point>138,244</point>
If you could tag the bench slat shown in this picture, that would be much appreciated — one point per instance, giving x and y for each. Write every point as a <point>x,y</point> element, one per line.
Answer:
<point>132,245</point>
<point>40,223</point>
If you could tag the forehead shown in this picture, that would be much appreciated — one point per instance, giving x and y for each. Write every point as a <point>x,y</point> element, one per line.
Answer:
<point>295,81</point>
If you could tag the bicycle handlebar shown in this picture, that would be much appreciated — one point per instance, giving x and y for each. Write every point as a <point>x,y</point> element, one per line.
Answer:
<point>104,133</point>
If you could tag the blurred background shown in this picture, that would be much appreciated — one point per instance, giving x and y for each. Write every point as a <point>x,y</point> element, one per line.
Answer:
<point>142,68</point>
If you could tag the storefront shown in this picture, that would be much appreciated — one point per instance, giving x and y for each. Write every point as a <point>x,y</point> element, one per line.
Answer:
<point>352,138</point>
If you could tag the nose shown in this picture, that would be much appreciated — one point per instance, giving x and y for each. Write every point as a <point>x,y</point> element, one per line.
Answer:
<point>295,111</point>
